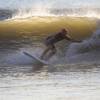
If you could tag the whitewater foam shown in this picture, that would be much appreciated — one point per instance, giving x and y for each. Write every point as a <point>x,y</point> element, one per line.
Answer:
<point>26,13</point>
<point>88,50</point>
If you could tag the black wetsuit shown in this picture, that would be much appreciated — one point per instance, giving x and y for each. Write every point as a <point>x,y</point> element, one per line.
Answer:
<point>51,40</point>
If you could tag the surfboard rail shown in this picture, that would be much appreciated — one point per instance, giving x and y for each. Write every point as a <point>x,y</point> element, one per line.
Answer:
<point>38,60</point>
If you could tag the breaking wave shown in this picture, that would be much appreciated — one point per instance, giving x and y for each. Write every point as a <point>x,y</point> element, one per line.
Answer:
<point>30,12</point>
<point>74,12</point>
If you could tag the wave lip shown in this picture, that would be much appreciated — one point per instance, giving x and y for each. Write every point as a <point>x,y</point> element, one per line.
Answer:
<point>75,12</point>
<point>30,12</point>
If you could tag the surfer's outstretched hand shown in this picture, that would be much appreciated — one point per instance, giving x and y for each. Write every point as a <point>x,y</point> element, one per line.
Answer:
<point>78,41</point>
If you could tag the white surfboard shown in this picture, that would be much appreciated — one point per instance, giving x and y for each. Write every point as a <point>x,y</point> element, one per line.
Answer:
<point>37,60</point>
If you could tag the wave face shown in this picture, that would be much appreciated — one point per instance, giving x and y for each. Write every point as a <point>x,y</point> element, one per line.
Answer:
<point>17,28</point>
<point>29,33</point>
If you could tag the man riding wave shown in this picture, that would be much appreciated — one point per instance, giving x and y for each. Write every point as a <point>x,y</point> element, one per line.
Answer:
<point>50,42</point>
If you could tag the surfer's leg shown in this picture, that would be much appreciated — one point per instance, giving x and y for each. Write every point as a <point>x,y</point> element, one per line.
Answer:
<point>52,53</point>
<point>45,52</point>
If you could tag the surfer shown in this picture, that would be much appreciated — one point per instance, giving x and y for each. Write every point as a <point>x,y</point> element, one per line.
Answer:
<point>51,40</point>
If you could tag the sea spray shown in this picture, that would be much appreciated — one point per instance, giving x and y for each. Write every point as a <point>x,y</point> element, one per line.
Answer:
<point>88,50</point>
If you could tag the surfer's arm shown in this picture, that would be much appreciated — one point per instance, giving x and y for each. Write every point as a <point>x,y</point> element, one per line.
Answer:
<point>72,40</point>
<point>69,38</point>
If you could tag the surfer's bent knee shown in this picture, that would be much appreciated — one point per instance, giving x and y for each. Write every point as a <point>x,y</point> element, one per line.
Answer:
<point>54,50</point>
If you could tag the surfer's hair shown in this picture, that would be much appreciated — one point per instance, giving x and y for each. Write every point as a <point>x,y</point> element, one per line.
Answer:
<point>64,30</point>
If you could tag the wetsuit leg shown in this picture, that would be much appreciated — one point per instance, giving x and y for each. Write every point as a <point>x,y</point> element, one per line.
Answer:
<point>53,51</point>
<point>49,47</point>
<point>44,53</point>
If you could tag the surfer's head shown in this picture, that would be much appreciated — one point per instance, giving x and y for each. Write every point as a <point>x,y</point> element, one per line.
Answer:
<point>64,31</point>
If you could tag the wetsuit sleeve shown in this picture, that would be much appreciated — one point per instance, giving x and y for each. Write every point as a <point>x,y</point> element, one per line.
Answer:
<point>68,38</point>
<point>72,40</point>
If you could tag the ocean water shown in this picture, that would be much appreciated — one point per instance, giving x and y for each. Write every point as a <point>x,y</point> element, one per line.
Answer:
<point>73,82</point>
<point>73,73</point>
